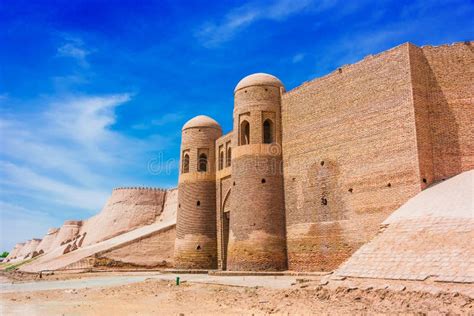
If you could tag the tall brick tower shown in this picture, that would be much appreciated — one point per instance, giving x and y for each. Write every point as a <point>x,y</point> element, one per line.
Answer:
<point>257,239</point>
<point>196,238</point>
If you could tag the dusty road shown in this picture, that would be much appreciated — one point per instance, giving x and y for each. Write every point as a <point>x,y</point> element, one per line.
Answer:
<point>152,293</point>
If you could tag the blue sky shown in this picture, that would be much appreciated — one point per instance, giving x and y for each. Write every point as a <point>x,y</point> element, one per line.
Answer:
<point>93,93</point>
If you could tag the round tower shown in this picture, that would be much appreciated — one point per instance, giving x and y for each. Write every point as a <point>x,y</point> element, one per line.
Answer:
<point>196,237</point>
<point>257,238</point>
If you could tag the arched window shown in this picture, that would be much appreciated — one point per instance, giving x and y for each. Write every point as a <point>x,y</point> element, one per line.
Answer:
<point>267,132</point>
<point>229,157</point>
<point>221,160</point>
<point>202,166</point>
<point>244,133</point>
<point>186,163</point>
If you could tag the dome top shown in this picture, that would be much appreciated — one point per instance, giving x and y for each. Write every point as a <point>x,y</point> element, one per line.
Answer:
<point>201,121</point>
<point>259,79</point>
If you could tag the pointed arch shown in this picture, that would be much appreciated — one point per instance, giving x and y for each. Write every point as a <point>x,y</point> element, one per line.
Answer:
<point>244,133</point>
<point>202,165</point>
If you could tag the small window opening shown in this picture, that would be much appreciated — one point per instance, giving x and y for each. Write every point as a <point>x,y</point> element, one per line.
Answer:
<point>233,183</point>
<point>229,157</point>
<point>350,190</point>
<point>322,163</point>
<point>424,180</point>
<point>389,185</point>
<point>267,132</point>
<point>221,160</point>
<point>244,133</point>
<point>185,163</point>
<point>202,163</point>
<point>198,203</point>
<point>263,180</point>
<point>198,247</point>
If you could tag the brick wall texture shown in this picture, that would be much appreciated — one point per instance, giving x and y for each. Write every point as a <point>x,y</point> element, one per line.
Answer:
<point>368,137</point>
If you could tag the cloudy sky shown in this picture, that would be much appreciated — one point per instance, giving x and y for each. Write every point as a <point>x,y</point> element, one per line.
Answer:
<point>93,93</point>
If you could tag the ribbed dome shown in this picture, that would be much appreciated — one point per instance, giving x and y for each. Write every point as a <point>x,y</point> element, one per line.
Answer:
<point>259,79</point>
<point>201,121</point>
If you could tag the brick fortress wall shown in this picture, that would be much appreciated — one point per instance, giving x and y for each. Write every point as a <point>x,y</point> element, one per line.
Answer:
<point>350,157</point>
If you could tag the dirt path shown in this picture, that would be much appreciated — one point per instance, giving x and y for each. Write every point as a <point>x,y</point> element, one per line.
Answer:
<point>154,296</point>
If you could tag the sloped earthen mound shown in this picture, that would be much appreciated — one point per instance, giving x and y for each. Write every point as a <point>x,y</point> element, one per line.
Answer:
<point>430,236</point>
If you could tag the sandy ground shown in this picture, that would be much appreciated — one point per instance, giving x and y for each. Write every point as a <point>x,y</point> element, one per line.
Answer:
<point>152,293</point>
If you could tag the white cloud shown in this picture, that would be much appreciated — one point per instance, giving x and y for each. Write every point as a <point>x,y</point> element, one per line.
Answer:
<point>68,157</point>
<point>74,48</point>
<point>214,33</point>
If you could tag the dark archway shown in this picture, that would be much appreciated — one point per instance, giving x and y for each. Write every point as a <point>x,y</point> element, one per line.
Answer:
<point>268,132</point>
<point>244,133</point>
<point>202,166</point>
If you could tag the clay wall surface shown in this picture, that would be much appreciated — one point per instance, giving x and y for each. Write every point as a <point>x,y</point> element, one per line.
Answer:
<point>350,157</point>
<point>451,105</point>
<point>28,249</point>
<point>47,241</point>
<point>125,210</point>
<point>152,251</point>
<point>66,233</point>
<point>170,207</point>
<point>15,251</point>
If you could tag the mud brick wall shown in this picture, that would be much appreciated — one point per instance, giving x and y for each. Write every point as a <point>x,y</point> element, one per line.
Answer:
<point>350,157</point>
<point>451,100</point>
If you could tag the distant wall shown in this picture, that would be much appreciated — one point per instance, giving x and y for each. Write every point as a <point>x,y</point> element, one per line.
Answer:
<point>48,241</point>
<point>126,209</point>
<point>350,157</point>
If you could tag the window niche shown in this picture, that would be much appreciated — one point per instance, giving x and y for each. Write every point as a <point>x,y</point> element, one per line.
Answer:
<point>268,131</point>
<point>185,166</point>
<point>244,133</point>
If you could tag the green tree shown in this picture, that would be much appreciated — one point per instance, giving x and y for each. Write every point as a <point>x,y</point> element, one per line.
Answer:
<point>4,254</point>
